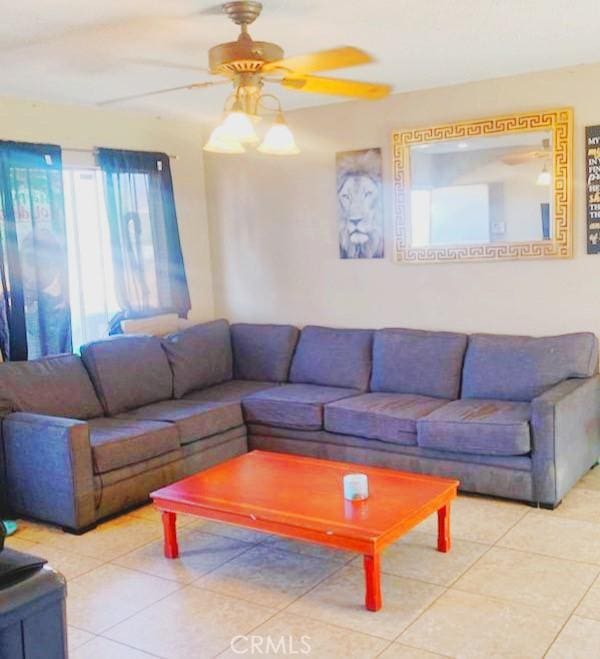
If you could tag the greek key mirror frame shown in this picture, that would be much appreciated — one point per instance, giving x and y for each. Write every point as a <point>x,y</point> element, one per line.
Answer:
<point>558,121</point>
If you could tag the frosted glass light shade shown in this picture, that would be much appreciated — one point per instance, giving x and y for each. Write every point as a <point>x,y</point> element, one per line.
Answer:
<point>220,142</point>
<point>279,140</point>
<point>238,126</point>
<point>544,177</point>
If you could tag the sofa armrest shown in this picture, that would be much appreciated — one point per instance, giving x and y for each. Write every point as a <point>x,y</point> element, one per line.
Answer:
<point>565,423</point>
<point>5,410</point>
<point>49,475</point>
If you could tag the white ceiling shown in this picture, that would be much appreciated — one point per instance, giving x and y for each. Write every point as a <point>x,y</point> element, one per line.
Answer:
<point>83,52</point>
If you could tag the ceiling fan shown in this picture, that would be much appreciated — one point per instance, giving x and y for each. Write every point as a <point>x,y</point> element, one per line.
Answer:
<point>521,156</point>
<point>248,64</point>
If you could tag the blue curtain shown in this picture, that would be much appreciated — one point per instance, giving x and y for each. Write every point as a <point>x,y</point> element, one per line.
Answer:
<point>146,250</point>
<point>35,318</point>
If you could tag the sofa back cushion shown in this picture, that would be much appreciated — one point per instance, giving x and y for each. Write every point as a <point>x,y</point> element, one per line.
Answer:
<point>58,385</point>
<point>521,368</point>
<point>200,356</point>
<point>333,357</point>
<point>410,361</point>
<point>128,371</point>
<point>263,352</point>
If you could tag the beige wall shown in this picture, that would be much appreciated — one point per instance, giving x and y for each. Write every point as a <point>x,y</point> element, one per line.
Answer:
<point>274,240</point>
<point>79,127</point>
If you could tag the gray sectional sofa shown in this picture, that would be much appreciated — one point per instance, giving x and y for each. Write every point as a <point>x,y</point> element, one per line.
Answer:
<point>86,437</point>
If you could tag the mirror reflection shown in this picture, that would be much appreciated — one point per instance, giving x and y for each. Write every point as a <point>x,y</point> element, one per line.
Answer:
<point>481,190</point>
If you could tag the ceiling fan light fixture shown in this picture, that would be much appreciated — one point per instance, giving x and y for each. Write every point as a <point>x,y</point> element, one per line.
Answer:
<point>544,177</point>
<point>239,127</point>
<point>221,142</point>
<point>279,139</point>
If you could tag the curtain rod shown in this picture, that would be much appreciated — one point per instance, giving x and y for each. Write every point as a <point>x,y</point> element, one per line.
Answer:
<point>95,151</point>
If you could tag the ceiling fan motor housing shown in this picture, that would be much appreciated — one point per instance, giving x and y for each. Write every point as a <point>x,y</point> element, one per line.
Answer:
<point>242,56</point>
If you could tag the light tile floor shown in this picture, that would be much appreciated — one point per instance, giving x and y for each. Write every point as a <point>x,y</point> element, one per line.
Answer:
<point>519,582</point>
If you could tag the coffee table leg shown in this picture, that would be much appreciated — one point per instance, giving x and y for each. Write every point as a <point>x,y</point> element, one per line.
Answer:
<point>444,541</point>
<point>372,582</point>
<point>171,548</point>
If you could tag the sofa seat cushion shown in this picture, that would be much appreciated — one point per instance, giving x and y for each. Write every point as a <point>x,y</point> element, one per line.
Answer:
<point>292,405</point>
<point>483,427</point>
<point>193,420</point>
<point>117,443</point>
<point>200,356</point>
<point>387,417</point>
<point>233,391</point>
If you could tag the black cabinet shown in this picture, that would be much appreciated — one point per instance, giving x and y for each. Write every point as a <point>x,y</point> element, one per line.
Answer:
<point>32,613</point>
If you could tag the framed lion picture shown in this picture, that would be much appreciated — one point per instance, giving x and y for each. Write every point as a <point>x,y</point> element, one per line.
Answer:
<point>360,212</point>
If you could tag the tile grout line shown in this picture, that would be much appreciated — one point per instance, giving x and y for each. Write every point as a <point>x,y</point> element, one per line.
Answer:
<point>570,616</point>
<point>147,606</point>
<point>533,513</point>
<point>447,588</point>
<point>282,610</point>
<point>314,619</point>
<point>348,563</point>
<point>181,586</point>
<point>93,636</point>
<point>84,555</point>
<point>489,547</point>
<point>186,585</point>
<point>523,551</point>
<point>385,649</point>
<point>558,558</point>
<point>131,647</point>
<point>183,583</point>
<point>179,589</point>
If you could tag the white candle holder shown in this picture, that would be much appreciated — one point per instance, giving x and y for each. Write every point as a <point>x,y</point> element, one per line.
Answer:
<point>356,487</point>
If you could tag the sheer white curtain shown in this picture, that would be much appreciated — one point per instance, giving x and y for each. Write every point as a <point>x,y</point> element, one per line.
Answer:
<point>91,278</point>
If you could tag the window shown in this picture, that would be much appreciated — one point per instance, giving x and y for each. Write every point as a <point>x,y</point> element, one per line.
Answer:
<point>91,275</point>
<point>81,244</point>
<point>35,314</point>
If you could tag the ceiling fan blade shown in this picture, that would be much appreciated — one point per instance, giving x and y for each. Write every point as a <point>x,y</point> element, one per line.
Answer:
<point>523,157</point>
<point>336,86</point>
<point>148,61</point>
<point>514,159</point>
<point>323,60</point>
<point>133,97</point>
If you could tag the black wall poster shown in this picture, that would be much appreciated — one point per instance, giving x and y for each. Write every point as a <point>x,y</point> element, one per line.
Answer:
<point>592,170</point>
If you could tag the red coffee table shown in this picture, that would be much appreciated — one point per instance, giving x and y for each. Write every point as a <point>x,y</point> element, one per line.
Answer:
<point>302,498</point>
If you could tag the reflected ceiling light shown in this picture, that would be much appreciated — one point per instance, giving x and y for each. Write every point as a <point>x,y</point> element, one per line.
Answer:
<point>463,145</point>
<point>544,177</point>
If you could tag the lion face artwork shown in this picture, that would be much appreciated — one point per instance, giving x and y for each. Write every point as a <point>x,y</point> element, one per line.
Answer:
<point>360,217</point>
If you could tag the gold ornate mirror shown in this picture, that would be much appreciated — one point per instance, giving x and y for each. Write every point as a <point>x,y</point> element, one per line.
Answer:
<point>497,188</point>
